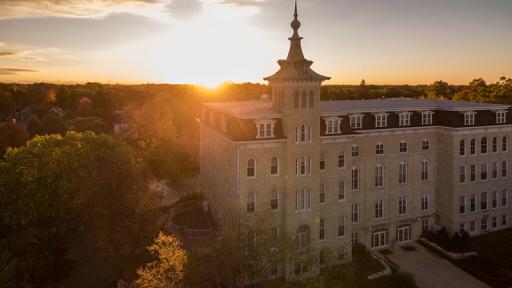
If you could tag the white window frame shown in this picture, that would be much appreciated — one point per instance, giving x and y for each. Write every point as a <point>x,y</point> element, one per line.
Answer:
<point>272,165</point>
<point>342,227</point>
<point>355,213</point>
<point>323,160</point>
<point>504,198</point>
<point>355,179</point>
<point>426,117</point>
<point>462,205</point>
<point>425,145</point>
<point>276,198</point>
<point>379,148</point>
<point>402,206</point>
<point>342,191</point>
<point>462,148</point>
<point>253,168</point>
<point>403,147</point>
<point>425,202</point>
<point>402,173</point>
<point>332,125</point>
<point>381,120</point>
<point>342,160</point>
<point>379,176</point>
<point>425,170</point>
<point>501,116</point>
<point>323,191</point>
<point>265,128</point>
<point>355,151</point>
<point>469,118</point>
<point>356,121</point>
<point>404,119</point>
<point>379,209</point>
<point>462,174</point>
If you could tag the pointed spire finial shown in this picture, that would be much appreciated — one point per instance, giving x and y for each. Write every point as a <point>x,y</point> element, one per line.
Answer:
<point>296,14</point>
<point>295,23</point>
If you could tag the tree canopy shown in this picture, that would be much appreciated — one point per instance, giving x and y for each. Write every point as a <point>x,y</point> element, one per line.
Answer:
<point>73,206</point>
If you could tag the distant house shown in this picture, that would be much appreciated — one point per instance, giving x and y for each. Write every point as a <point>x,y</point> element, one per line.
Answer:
<point>57,111</point>
<point>121,124</point>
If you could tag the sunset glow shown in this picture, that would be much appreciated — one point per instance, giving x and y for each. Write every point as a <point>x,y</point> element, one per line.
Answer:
<point>209,42</point>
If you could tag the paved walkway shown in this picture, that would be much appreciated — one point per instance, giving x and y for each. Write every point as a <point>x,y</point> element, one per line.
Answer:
<point>432,271</point>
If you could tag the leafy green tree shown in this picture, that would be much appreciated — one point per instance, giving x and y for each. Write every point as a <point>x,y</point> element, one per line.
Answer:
<point>51,124</point>
<point>440,89</point>
<point>75,206</point>
<point>168,270</point>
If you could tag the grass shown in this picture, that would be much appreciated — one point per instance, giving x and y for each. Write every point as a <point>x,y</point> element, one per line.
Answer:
<point>353,275</point>
<point>496,245</point>
<point>481,267</point>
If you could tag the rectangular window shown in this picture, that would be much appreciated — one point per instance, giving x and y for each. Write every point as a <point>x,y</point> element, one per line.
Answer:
<point>462,205</point>
<point>494,170</point>
<point>504,198</point>
<point>504,169</point>
<point>402,173</point>
<point>405,119</point>
<point>472,226</point>
<point>355,213</point>
<point>341,227</point>
<point>379,209</point>
<point>494,199</point>
<point>341,191</point>
<point>426,118</point>
<point>472,147</point>
<point>483,201</point>
<point>504,221</point>
<point>355,238</point>
<point>355,151</point>
<point>501,117</point>
<point>469,118</point>
<point>251,202</point>
<point>483,225</point>
<point>424,202</point>
<point>332,125</point>
<point>424,170</point>
<point>462,174</point>
<point>321,232</point>
<point>483,171</point>
<point>379,176</point>
<point>472,203</point>
<point>356,121</point>
<point>381,120</point>
<point>402,206</point>
<point>462,227</point>
<point>323,193</point>
<point>425,145</point>
<point>274,199</point>
<point>425,225</point>
<point>494,222</point>
<point>323,159</point>
<point>341,160</point>
<point>472,177</point>
<point>355,179</point>
<point>296,99</point>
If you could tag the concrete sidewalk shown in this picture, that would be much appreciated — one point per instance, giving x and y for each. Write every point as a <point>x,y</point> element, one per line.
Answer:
<point>432,271</point>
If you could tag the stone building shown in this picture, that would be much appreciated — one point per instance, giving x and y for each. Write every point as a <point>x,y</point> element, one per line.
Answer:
<point>376,172</point>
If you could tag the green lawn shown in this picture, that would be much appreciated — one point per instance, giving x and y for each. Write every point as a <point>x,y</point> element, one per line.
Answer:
<point>496,245</point>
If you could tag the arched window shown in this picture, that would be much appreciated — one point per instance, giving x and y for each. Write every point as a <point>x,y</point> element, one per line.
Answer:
<point>274,166</point>
<point>341,226</point>
<point>321,230</point>
<point>403,146</point>
<point>483,145</point>
<point>472,147</point>
<point>251,202</point>
<point>251,168</point>
<point>504,144</point>
<point>274,199</point>
<point>303,133</point>
<point>355,150</point>
<point>379,148</point>
<point>379,175</point>
<point>323,160</point>
<point>355,179</point>
<point>402,173</point>
<point>494,145</point>
<point>462,148</point>
<point>425,165</point>
<point>309,134</point>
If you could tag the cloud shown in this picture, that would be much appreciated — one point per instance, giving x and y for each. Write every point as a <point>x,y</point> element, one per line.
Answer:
<point>82,34</point>
<point>243,2</point>
<point>184,9</point>
<point>79,8</point>
<point>15,71</point>
<point>8,53</point>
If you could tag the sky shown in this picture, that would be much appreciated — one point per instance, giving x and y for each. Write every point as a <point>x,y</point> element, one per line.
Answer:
<point>209,42</point>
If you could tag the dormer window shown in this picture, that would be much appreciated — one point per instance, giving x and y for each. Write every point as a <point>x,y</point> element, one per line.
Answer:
<point>381,120</point>
<point>469,118</point>
<point>356,121</point>
<point>332,125</point>
<point>501,117</point>
<point>405,119</point>
<point>426,118</point>
<point>265,129</point>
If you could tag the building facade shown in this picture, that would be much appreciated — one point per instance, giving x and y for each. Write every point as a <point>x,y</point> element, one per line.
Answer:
<point>375,172</point>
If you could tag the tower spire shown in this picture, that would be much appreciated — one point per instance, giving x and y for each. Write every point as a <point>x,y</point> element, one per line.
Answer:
<point>295,45</point>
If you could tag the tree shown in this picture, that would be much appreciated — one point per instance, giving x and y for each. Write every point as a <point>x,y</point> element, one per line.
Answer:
<point>51,124</point>
<point>12,135</point>
<point>94,124</point>
<point>440,89</point>
<point>75,206</point>
<point>6,104</point>
<point>167,271</point>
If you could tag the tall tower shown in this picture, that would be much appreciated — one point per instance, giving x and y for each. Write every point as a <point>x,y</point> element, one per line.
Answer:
<point>296,94</point>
